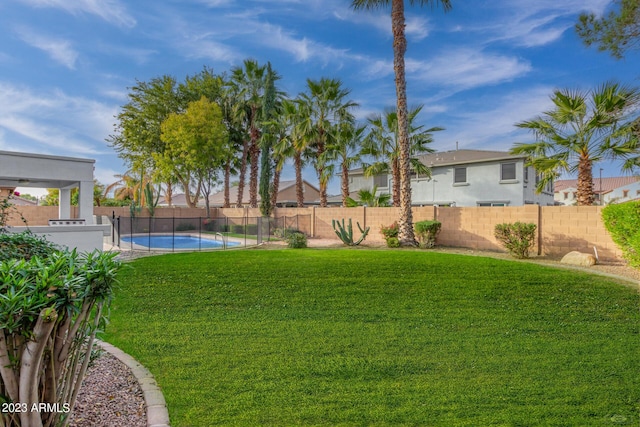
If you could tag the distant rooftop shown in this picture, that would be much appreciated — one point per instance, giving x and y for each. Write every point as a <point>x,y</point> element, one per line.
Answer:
<point>607,185</point>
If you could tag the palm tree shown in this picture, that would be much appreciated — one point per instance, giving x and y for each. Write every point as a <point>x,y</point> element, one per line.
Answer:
<point>369,198</point>
<point>382,143</point>
<point>583,128</point>
<point>291,143</point>
<point>250,82</point>
<point>405,223</point>
<point>344,152</point>
<point>323,106</point>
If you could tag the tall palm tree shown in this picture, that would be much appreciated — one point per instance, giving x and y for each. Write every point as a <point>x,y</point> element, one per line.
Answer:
<point>291,143</point>
<point>405,223</point>
<point>583,128</point>
<point>383,144</point>
<point>323,106</point>
<point>250,82</point>
<point>344,151</point>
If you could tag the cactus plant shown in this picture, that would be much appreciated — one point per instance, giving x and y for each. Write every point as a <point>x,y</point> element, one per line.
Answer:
<point>346,233</point>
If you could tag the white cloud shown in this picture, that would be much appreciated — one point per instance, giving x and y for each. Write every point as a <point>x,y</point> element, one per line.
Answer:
<point>59,50</point>
<point>489,122</point>
<point>112,11</point>
<point>467,68</point>
<point>54,120</point>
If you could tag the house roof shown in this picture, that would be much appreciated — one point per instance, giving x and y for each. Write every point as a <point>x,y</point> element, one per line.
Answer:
<point>608,184</point>
<point>218,198</point>
<point>457,157</point>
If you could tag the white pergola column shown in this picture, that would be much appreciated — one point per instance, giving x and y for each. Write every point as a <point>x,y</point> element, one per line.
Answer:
<point>64,203</point>
<point>85,202</point>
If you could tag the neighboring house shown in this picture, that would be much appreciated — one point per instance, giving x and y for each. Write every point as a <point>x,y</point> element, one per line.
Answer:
<point>610,190</point>
<point>286,196</point>
<point>467,178</point>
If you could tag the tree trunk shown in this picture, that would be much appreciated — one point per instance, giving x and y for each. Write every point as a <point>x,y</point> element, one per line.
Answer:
<point>405,224</point>
<point>584,194</point>
<point>30,366</point>
<point>345,184</point>
<point>275,188</point>
<point>297,159</point>
<point>243,173</point>
<point>168,194</point>
<point>254,158</point>
<point>227,177</point>
<point>395,176</point>
<point>321,180</point>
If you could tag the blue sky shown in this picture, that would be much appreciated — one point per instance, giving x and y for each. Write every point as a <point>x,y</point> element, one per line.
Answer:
<point>66,66</point>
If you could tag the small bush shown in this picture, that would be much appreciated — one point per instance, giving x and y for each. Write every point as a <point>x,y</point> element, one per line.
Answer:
<point>252,229</point>
<point>25,245</point>
<point>237,229</point>
<point>297,240</point>
<point>185,226</point>
<point>622,221</point>
<point>393,242</point>
<point>391,232</point>
<point>427,232</point>
<point>518,238</point>
<point>282,233</point>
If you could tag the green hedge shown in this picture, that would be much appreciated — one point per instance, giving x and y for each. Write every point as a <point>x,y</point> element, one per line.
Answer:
<point>622,221</point>
<point>518,238</point>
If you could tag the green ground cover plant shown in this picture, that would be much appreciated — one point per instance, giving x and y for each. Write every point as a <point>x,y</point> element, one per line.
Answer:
<point>380,337</point>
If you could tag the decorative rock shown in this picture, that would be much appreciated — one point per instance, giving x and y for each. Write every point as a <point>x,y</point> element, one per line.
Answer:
<point>579,258</point>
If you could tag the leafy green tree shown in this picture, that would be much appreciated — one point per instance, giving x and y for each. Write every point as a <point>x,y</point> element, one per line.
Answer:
<point>581,129</point>
<point>383,145</point>
<point>197,146</point>
<point>406,234</point>
<point>323,106</point>
<point>617,32</point>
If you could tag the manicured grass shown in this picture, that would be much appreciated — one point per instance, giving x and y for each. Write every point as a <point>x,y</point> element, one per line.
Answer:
<point>375,337</point>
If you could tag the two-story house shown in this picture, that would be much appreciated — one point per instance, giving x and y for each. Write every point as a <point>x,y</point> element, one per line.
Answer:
<point>608,190</point>
<point>467,178</point>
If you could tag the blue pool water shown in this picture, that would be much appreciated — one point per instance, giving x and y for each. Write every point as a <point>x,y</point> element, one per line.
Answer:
<point>175,242</point>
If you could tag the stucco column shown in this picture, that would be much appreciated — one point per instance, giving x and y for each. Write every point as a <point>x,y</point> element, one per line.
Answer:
<point>85,202</point>
<point>64,203</point>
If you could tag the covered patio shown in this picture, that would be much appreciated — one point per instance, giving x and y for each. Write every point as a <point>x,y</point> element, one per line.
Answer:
<point>64,173</point>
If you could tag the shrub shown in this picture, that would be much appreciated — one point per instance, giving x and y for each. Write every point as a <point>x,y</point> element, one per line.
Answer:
<point>237,229</point>
<point>427,232</point>
<point>282,233</point>
<point>390,232</point>
<point>518,238</point>
<point>297,240</point>
<point>50,311</point>
<point>393,242</point>
<point>185,226</point>
<point>252,229</point>
<point>24,245</point>
<point>622,221</point>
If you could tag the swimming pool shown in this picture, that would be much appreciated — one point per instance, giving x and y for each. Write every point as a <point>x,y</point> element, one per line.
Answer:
<point>169,242</point>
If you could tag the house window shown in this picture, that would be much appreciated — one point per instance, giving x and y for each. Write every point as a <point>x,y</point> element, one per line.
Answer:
<point>507,171</point>
<point>625,193</point>
<point>487,204</point>
<point>566,195</point>
<point>459,175</point>
<point>526,174</point>
<point>381,181</point>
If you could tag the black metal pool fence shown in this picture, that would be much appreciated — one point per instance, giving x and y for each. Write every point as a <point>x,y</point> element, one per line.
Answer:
<point>239,231</point>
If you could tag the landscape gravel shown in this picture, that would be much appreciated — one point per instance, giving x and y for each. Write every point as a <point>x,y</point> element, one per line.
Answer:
<point>110,396</point>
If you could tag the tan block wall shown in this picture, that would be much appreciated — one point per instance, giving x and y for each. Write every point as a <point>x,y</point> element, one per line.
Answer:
<point>576,228</point>
<point>561,229</point>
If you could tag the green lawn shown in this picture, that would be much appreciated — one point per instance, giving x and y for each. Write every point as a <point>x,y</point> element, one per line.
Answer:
<point>376,337</point>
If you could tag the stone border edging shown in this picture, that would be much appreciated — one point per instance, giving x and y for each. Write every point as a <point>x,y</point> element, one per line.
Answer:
<point>157,413</point>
